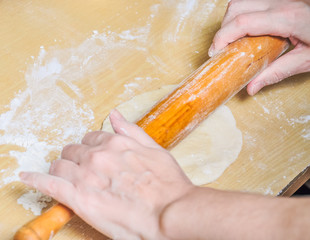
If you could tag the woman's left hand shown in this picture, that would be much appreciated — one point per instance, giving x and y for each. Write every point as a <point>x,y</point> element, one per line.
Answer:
<point>119,183</point>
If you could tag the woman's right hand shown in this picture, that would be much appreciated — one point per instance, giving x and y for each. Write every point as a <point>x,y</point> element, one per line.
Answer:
<point>284,18</point>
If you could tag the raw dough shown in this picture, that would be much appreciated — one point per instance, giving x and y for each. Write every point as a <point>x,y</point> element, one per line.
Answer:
<point>207,151</point>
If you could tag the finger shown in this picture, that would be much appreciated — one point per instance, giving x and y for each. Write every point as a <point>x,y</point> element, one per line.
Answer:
<point>96,138</point>
<point>292,63</point>
<point>121,126</point>
<point>65,169</point>
<point>55,187</point>
<point>236,8</point>
<point>250,24</point>
<point>75,152</point>
<point>77,175</point>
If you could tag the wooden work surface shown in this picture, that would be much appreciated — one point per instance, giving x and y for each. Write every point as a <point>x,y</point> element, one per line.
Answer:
<point>65,64</point>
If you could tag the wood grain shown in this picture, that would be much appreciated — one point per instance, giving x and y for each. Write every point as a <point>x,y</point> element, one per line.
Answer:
<point>175,116</point>
<point>169,41</point>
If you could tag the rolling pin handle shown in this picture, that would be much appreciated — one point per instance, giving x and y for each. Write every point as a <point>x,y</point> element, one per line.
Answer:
<point>213,83</point>
<point>45,226</point>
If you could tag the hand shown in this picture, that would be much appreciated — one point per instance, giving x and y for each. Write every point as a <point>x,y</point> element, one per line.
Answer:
<point>284,18</point>
<point>119,183</point>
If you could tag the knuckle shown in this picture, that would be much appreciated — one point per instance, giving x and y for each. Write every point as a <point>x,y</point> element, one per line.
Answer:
<point>301,12</point>
<point>94,137</point>
<point>294,13</point>
<point>277,76</point>
<point>119,141</point>
<point>87,135</point>
<point>94,157</point>
<point>241,21</point>
<point>116,139</point>
<point>131,156</point>
<point>54,169</point>
<point>52,188</point>
<point>58,168</point>
<point>126,178</point>
<point>287,13</point>
<point>97,136</point>
<point>66,149</point>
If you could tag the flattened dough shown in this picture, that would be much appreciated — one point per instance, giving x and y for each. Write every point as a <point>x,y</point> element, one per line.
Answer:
<point>207,151</point>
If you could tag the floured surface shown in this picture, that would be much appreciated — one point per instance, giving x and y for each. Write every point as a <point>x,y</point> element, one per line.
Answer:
<point>66,64</point>
<point>207,151</point>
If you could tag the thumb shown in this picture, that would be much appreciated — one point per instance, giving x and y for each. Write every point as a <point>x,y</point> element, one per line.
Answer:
<point>121,126</point>
<point>292,63</point>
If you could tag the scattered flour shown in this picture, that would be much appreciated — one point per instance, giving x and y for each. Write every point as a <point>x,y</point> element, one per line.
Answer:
<point>194,10</point>
<point>306,134</point>
<point>34,201</point>
<point>301,120</point>
<point>268,191</point>
<point>37,112</point>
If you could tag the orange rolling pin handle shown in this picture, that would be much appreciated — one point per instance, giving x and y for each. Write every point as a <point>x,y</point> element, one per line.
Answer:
<point>47,225</point>
<point>174,117</point>
<point>211,85</point>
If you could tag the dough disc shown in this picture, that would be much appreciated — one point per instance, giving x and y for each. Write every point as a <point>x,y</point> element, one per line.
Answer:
<point>207,151</point>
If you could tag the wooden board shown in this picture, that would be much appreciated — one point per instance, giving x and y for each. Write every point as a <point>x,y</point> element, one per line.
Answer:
<point>64,65</point>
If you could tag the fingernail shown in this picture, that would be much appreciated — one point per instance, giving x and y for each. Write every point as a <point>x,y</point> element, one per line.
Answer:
<point>211,51</point>
<point>254,91</point>
<point>255,88</point>
<point>23,176</point>
<point>116,114</point>
<point>52,166</point>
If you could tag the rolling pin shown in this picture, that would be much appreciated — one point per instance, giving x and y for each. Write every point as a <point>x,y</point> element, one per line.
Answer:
<point>175,116</point>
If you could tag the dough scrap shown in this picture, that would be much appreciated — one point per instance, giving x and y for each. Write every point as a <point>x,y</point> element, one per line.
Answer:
<point>207,151</point>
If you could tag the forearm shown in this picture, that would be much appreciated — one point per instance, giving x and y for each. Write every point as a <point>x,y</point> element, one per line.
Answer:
<point>211,214</point>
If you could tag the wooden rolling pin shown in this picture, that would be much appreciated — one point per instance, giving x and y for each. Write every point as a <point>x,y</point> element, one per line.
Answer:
<point>214,83</point>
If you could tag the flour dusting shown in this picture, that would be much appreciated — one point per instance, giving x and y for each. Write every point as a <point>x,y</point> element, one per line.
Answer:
<point>39,110</point>
<point>34,201</point>
<point>51,111</point>
<point>306,134</point>
<point>184,12</point>
<point>301,120</point>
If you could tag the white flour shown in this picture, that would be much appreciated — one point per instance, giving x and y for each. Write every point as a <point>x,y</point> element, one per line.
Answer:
<point>34,201</point>
<point>37,117</point>
<point>194,10</point>
<point>38,111</point>
<point>41,110</point>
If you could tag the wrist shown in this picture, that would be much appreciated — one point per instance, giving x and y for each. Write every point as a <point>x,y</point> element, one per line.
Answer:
<point>178,219</point>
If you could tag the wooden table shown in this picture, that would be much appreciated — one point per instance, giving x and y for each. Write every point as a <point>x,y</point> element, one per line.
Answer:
<point>65,64</point>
